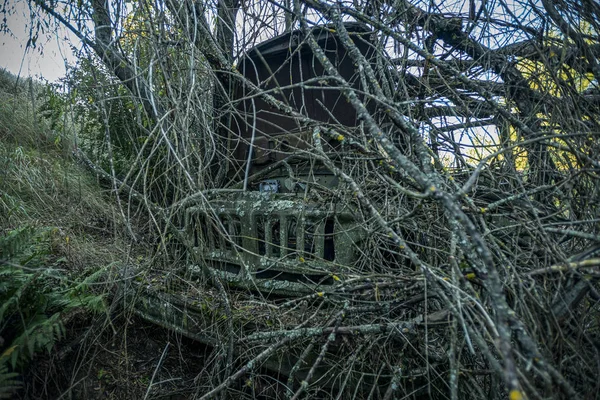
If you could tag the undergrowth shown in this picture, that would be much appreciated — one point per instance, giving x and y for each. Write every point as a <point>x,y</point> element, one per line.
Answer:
<point>37,297</point>
<point>60,234</point>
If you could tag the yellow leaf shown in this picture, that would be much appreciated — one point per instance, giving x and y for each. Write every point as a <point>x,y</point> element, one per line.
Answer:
<point>336,278</point>
<point>470,275</point>
<point>515,395</point>
<point>9,351</point>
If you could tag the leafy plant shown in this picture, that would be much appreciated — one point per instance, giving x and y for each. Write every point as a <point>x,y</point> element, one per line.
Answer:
<point>8,380</point>
<point>35,297</point>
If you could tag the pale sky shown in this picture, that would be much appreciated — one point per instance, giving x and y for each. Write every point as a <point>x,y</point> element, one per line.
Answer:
<point>46,60</point>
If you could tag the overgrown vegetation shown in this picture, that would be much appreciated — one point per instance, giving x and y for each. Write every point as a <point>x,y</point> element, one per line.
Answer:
<point>38,298</point>
<point>471,170</point>
<point>58,231</point>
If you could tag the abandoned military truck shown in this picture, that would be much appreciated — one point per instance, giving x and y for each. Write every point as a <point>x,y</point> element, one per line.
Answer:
<point>283,233</point>
<point>275,233</point>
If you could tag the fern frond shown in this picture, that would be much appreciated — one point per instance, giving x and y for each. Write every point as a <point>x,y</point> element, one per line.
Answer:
<point>34,300</point>
<point>15,242</point>
<point>8,382</point>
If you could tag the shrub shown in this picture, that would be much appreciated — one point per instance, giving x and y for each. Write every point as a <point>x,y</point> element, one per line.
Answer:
<point>35,297</point>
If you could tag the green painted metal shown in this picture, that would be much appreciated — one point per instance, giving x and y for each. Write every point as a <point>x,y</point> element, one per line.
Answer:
<point>275,243</point>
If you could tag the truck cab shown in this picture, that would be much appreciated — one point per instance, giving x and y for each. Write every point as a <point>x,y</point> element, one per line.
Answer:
<point>279,228</point>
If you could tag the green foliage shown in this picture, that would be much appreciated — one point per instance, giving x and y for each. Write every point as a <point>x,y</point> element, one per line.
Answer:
<point>18,123</point>
<point>105,112</point>
<point>54,107</point>
<point>116,133</point>
<point>8,380</point>
<point>35,297</point>
<point>56,225</point>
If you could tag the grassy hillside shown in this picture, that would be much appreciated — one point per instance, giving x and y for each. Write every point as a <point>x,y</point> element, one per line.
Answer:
<point>43,186</point>
<point>63,243</point>
<point>60,235</point>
